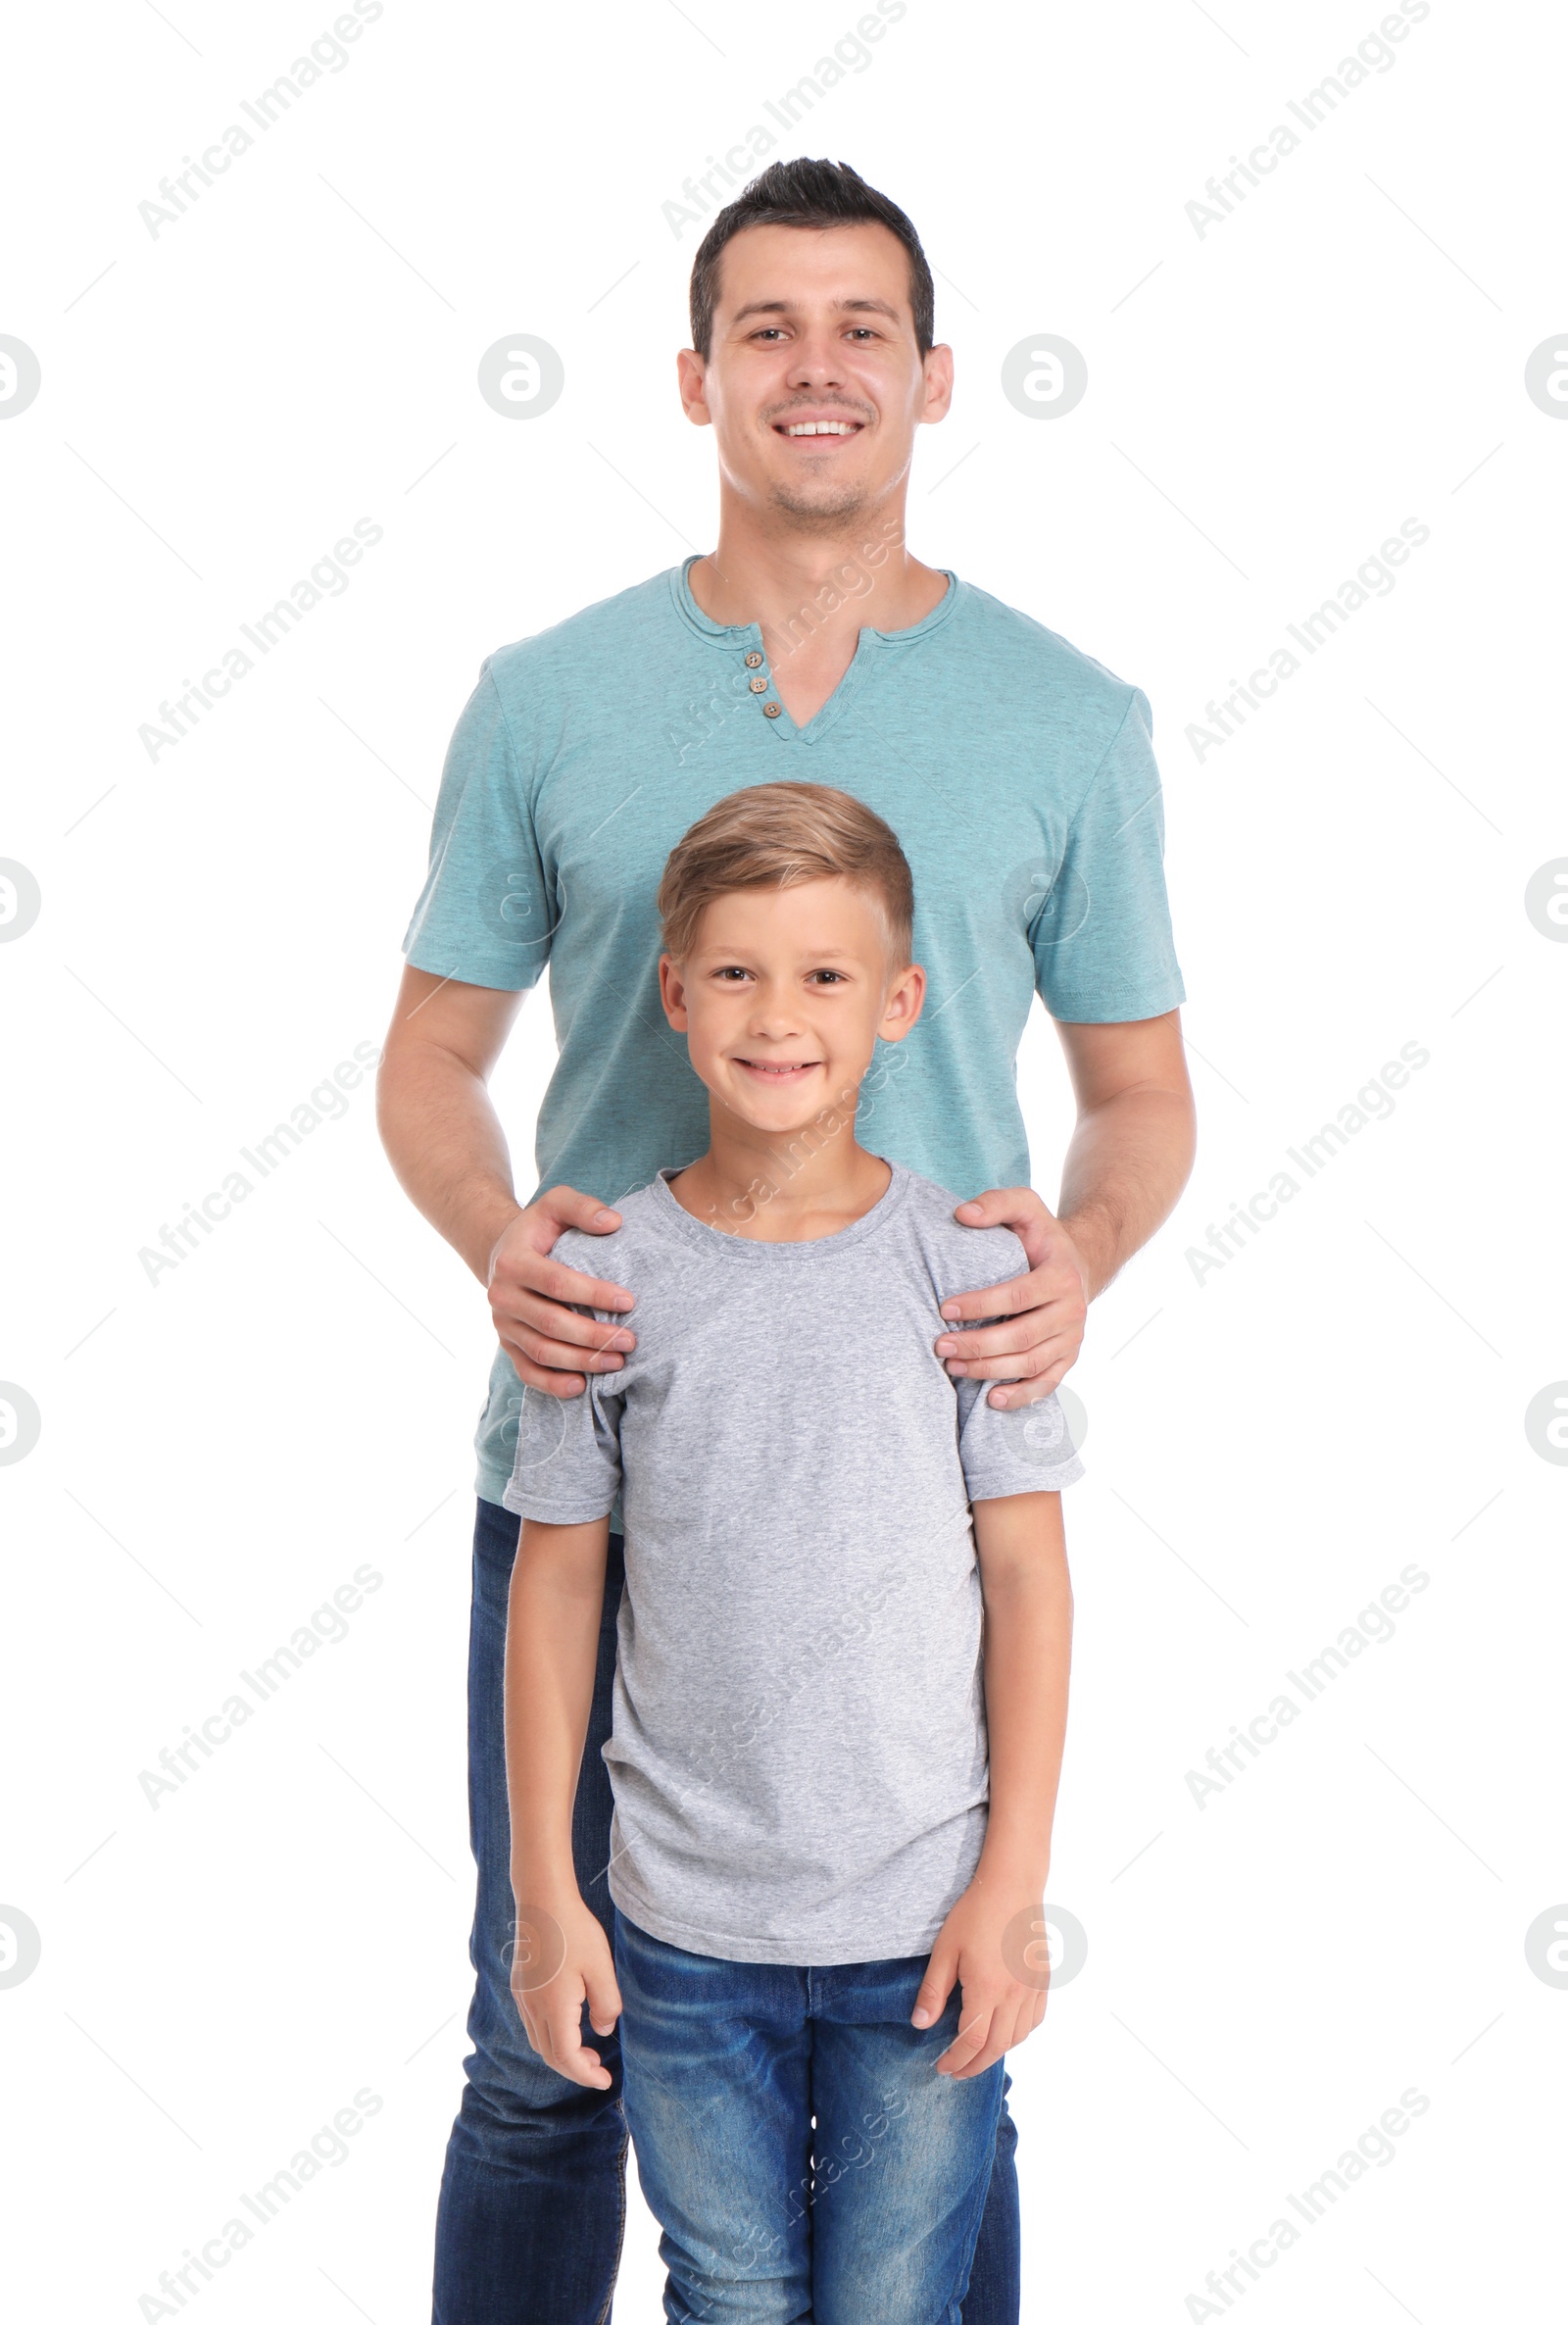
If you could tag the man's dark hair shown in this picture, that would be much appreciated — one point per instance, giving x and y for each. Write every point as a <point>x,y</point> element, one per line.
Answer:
<point>807,194</point>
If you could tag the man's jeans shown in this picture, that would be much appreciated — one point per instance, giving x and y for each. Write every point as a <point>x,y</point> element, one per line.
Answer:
<point>795,2141</point>
<point>533,2197</point>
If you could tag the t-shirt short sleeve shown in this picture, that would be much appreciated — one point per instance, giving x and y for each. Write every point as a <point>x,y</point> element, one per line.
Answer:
<point>1018,1448</point>
<point>566,1469</point>
<point>485,915</point>
<point>1103,950</point>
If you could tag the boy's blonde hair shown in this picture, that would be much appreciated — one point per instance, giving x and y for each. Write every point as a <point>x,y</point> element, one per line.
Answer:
<point>777,835</point>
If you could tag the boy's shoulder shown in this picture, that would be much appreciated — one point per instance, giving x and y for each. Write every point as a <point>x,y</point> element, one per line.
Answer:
<point>636,1251</point>
<point>959,1259</point>
<point>653,1242</point>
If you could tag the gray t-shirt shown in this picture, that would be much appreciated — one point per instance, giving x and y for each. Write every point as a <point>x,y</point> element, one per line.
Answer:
<point>799,1751</point>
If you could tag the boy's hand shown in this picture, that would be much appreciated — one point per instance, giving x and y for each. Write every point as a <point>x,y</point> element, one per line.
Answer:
<point>1000,2007</point>
<point>528,1294</point>
<point>1047,1308</point>
<point>560,1959</point>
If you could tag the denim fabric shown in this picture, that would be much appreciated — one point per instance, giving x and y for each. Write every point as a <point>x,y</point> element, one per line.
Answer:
<point>533,2197</point>
<point>806,2162</point>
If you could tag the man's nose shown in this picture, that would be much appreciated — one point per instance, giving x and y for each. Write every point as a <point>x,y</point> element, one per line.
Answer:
<point>818,358</point>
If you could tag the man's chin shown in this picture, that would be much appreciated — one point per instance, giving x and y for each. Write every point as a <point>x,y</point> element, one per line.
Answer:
<point>823,509</point>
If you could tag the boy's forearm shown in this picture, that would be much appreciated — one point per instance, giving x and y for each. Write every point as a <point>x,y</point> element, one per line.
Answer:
<point>1028,1652</point>
<point>553,1616</point>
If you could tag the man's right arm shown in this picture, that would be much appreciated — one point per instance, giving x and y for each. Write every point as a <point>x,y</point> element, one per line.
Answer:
<point>446,1144</point>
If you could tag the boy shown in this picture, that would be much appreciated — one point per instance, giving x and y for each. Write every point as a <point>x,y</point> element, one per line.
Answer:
<point>814,1852</point>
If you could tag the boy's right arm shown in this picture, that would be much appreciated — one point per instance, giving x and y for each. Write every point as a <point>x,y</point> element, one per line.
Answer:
<point>445,1143</point>
<point>562,1955</point>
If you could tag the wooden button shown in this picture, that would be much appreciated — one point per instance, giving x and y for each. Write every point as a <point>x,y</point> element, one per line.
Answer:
<point>758,685</point>
<point>753,662</point>
<point>772,710</point>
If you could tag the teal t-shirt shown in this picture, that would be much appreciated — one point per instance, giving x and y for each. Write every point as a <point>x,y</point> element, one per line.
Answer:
<point>1017,773</point>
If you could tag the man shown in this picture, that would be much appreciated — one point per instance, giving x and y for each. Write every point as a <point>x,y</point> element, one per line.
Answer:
<point>1019,777</point>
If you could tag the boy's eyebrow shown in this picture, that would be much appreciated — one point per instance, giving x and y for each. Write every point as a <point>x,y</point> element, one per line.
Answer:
<point>818,953</point>
<point>792,307</point>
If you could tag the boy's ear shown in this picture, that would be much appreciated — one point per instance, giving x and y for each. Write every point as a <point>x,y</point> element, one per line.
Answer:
<point>672,992</point>
<point>906,998</point>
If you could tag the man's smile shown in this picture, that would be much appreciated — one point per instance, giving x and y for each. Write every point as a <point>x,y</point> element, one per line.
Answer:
<point>818,427</point>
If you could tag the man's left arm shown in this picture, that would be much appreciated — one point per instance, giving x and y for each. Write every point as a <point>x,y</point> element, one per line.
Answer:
<point>1127,1161</point>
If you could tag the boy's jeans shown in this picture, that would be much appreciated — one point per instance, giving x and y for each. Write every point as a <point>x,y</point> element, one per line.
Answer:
<point>795,2141</point>
<point>533,2196</point>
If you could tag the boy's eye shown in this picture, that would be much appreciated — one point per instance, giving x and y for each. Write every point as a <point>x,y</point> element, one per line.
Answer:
<point>828,976</point>
<point>727,975</point>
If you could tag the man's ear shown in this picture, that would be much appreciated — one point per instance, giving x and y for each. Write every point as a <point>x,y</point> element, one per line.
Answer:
<point>672,992</point>
<point>938,370</point>
<point>906,998</point>
<point>691,375</point>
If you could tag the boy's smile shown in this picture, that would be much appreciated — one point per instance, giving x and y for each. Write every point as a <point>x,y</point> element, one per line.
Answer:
<point>794,1071</point>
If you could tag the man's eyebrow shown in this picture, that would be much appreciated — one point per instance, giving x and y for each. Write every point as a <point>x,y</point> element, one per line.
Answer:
<point>792,307</point>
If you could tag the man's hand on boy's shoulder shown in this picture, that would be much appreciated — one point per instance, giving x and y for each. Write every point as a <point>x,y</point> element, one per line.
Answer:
<point>1044,1311</point>
<point>535,1298</point>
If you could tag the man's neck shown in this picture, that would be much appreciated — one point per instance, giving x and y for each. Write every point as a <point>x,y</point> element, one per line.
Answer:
<point>781,1189</point>
<point>814,590</point>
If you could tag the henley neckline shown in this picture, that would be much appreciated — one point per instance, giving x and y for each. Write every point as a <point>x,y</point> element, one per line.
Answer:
<point>745,638</point>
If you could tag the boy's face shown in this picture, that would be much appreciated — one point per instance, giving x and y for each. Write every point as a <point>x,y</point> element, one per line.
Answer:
<point>783,996</point>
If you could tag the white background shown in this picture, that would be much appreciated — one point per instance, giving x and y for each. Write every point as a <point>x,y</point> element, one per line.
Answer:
<point>220,1450</point>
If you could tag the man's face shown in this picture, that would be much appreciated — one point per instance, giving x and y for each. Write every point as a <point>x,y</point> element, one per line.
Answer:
<point>782,998</point>
<point>816,385</point>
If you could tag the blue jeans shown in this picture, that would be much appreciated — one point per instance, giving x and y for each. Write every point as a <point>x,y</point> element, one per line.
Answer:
<point>533,2196</point>
<point>795,2141</point>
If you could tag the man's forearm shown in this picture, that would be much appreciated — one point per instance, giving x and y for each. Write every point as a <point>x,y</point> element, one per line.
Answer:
<point>444,1140</point>
<point>1127,1161</point>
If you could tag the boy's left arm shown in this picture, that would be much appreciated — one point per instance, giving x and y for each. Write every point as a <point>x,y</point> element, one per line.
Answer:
<point>1028,1645</point>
